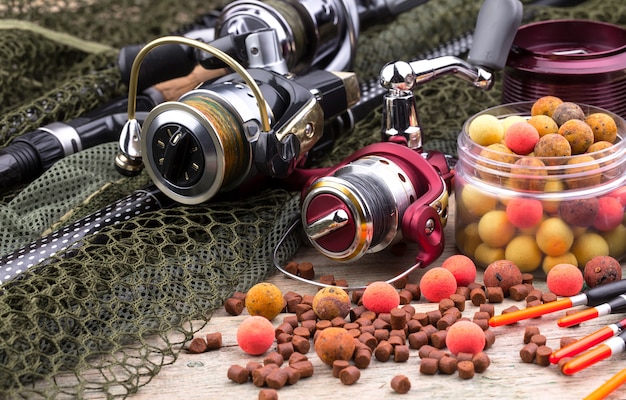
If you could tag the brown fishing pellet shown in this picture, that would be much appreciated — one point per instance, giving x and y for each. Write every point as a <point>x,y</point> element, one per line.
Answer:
<point>465,369</point>
<point>381,334</point>
<point>338,322</point>
<point>285,349</point>
<point>417,340</point>
<point>291,320</point>
<point>446,321</point>
<point>297,357</point>
<point>302,331</point>
<point>305,367</point>
<point>490,338</point>
<point>349,375</point>
<point>197,345</point>
<point>463,356</point>
<point>342,283</point>
<point>459,301</point>
<point>369,315</point>
<point>398,332</point>
<point>293,375</point>
<point>268,394</point>
<point>338,365</point>
<point>463,291</point>
<point>284,327</point>
<point>238,374</point>
<point>483,323</point>
<point>488,308</point>
<point>481,315</point>
<point>429,366</point>
<point>369,340</point>
<point>306,270</point>
<point>380,323</point>
<point>277,378</point>
<point>495,294</point>
<point>413,325</point>
<point>481,362</point>
<point>309,324</point>
<point>414,288</point>
<point>350,325</point>
<point>239,295</point>
<point>438,339</point>
<point>434,316</point>
<point>398,318</point>
<point>445,304</point>
<point>528,352</point>
<point>533,295</point>
<point>529,332</point>
<point>510,309</point>
<point>363,321</point>
<point>478,296</point>
<point>252,365</point>
<point>425,351</point>
<point>527,278</point>
<point>437,353</point>
<point>291,267</point>
<point>422,317</point>
<point>273,358</point>
<point>518,292</point>
<point>410,310</point>
<point>538,339</point>
<point>383,351</point>
<point>405,296</point>
<point>302,308</point>
<point>401,353</point>
<point>362,358</point>
<point>454,311</point>
<point>323,324</point>
<point>542,356</point>
<point>292,300</point>
<point>447,365</point>
<point>308,299</point>
<point>283,338</point>
<point>357,295</point>
<point>213,340</point>
<point>400,384</point>
<point>327,280</point>
<point>301,344</point>
<point>259,374</point>
<point>534,303</point>
<point>429,330</point>
<point>566,340</point>
<point>548,297</point>
<point>396,340</point>
<point>368,329</point>
<point>308,315</point>
<point>234,306</point>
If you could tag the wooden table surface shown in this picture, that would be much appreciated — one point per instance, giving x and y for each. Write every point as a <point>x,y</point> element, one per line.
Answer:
<point>204,376</point>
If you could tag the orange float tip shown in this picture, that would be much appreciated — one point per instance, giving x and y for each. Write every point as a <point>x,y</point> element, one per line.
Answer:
<point>587,359</point>
<point>578,318</point>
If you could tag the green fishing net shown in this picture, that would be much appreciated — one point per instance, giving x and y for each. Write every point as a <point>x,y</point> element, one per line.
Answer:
<point>103,318</point>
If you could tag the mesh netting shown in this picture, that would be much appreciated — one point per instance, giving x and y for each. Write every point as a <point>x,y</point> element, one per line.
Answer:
<point>108,315</point>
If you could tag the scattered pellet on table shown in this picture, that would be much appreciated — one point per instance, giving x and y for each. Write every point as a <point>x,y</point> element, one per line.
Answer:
<point>542,356</point>
<point>306,271</point>
<point>566,340</point>
<point>429,366</point>
<point>213,340</point>
<point>509,309</point>
<point>487,308</point>
<point>268,394</point>
<point>238,374</point>
<point>274,358</point>
<point>417,340</point>
<point>197,345</point>
<point>277,378</point>
<point>301,344</point>
<point>518,292</point>
<point>293,375</point>
<point>548,297</point>
<point>252,365</point>
<point>438,339</point>
<point>465,369</point>
<point>405,296</point>
<point>447,365</point>
<point>291,267</point>
<point>528,352</point>
<point>285,349</point>
<point>490,338</point>
<point>538,339</point>
<point>401,353</point>
<point>445,321</point>
<point>349,375</point>
<point>478,296</point>
<point>383,351</point>
<point>401,384</point>
<point>305,367</point>
<point>495,294</point>
<point>481,362</point>
<point>260,374</point>
<point>534,295</point>
<point>338,365</point>
<point>459,300</point>
<point>234,306</point>
<point>464,356</point>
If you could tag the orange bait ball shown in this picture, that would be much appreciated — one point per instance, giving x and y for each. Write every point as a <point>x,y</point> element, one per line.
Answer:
<point>333,344</point>
<point>462,267</point>
<point>331,302</point>
<point>437,284</point>
<point>465,337</point>
<point>380,297</point>
<point>265,299</point>
<point>565,280</point>
<point>255,335</point>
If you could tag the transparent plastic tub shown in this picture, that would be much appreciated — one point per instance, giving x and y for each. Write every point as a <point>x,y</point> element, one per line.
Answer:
<point>563,210</point>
